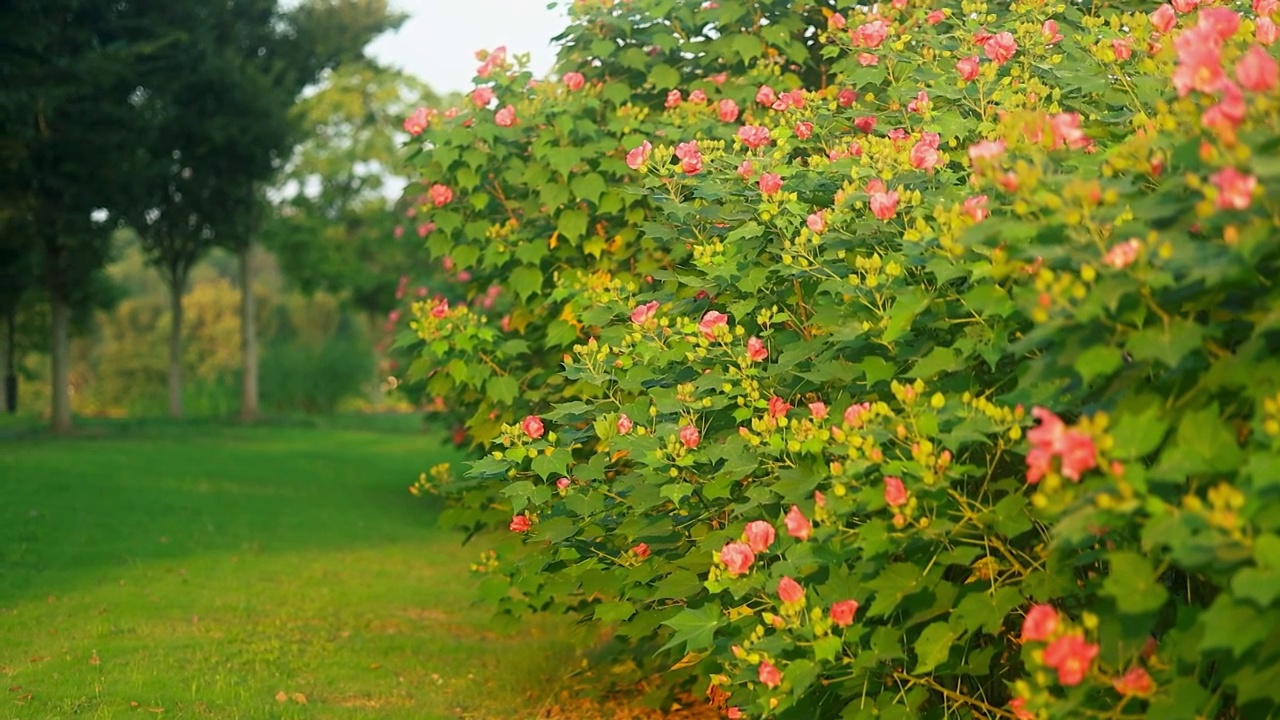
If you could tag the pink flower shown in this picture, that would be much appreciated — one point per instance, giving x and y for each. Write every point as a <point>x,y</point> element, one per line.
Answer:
<point>968,68</point>
<point>756,351</point>
<point>884,205</point>
<point>842,612</point>
<point>506,117</point>
<point>1135,682</point>
<point>416,122</point>
<point>924,155</point>
<point>1052,438</point>
<point>440,310</point>
<point>673,99</point>
<point>798,526</point>
<point>836,21</point>
<point>789,590</point>
<point>441,195</point>
<point>760,535</point>
<point>642,314</point>
<point>866,59</point>
<point>897,134</point>
<point>519,523</point>
<point>818,409</point>
<point>753,136</point>
<point>804,130</point>
<point>710,321</point>
<point>1265,7</point>
<point>492,60</point>
<point>728,110</point>
<point>1066,131</point>
<point>853,414</point>
<point>1071,657</point>
<point>482,96</point>
<point>734,713</point>
<point>641,550</point>
<point>920,104</point>
<point>563,483</point>
<point>778,407</point>
<point>1122,255</point>
<point>895,493</point>
<point>1222,22</point>
<point>1000,47</point>
<point>865,123</point>
<point>697,96</point>
<point>846,98</point>
<point>817,222</point>
<point>985,150</point>
<point>766,96</point>
<point>624,424</point>
<point>1019,707</point>
<point>689,436</point>
<point>574,81</point>
<point>746,170</point>
<point>1257,70</point>
<point>1040,624</point>
<point>1267,31</point>
<point>1199,61</point>
<point>737,557</point>
<point>1185,6</point>
<point>1049,31</point>
<point>1235,189</point>
<point>770,183</point>
<point>870,34</point>
<point>692,164</point>
<point>532,426</point>
<point>935,17</point>
<point>639,155</point>
<point>770,676</point>
<point>1164,18</point>
<point>976,207</point>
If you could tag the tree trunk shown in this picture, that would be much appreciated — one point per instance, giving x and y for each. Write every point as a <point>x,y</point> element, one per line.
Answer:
<point>175,349</point>
<point>60,346</point>
<point>248,339</point>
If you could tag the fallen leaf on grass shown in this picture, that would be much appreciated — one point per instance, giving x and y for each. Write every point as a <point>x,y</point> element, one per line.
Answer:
<point>282,697</point>
<point>300,698</point>
<point>95,660</point>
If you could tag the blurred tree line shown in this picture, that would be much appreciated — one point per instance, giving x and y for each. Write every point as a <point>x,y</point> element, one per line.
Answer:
<point>182,180</point>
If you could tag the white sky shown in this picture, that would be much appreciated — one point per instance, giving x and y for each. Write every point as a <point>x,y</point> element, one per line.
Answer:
<point>439,41</point>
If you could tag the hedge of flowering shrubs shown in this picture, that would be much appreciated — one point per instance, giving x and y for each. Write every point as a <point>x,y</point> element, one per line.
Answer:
<point>916,362</point>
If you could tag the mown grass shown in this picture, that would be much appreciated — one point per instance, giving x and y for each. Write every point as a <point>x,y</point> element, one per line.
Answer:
<point>207,571</point>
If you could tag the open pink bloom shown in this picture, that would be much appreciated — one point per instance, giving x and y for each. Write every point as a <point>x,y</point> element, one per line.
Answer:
<point>698,97</point>
<point>1123,254</point>
<point>641,550</point>
<point>924,155</point>
<point>482,96</point>
<point>760,535</point>
<point>624,424</point>
<point>1040,624</point>
<point>920,103</point>
<point>935,17</point>
<point>846,98</point>
<point>968,68</point>
<point>506,117</point>
<point>440,310</point>
<point>789,590</point>
<point>870,34</point>
<point>778,407</point>
<point>770,183</point>
<point>638,155</point>
<point>1049,31</point>
<point>853,415</point>
<point>440,195</point>
<point>1051,438</point>
<point>753,136</point>
<point>818,409</point>
<point>692,164</point>
<point>865,123</point>
<point>737,557</point>
<point>492,60</point>
<point>1071,656</point>
<point>756,351</point>
<point>798,526</point>
<point>1019,708</point>
<point>1221,21</point>
<point>1000,47</point>
<point>532,426</point>
<point>728,110</point>
<point>1266,30</point>
<point>884,205</point>
<point>1164,18</point>
<point>1229,111</point>
<point>734,713</point>
<point>766,96</point>
<point>866,59</point>
<point>519,523</point>
<point>1066,131</point>
<point>1257,70</point>
<point>1235,189</point>
<point>1265,7</point>
<point>977,207</point>
<point>416,122</point>
<point>817,222</point>
<point>673,99</point>
<point>574,81</point>
<point>895,493</point>
<point>689,436</point>
<point>1199,61</point>
<point>1122,48</point>
<point>836,21</point>
<point>1135,682</point>
<point>769,675</point>
<point>1185,6</point>
<point>985,150</point>
<point>804,130</point>
<point>842,612</point>
<point>710,321</point>
<point>642,314</point>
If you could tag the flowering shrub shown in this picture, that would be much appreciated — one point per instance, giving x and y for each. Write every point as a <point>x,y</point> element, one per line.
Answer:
<point>923,364</point>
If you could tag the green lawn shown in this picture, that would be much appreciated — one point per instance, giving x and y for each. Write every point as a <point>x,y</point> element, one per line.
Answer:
<point>200,571</point>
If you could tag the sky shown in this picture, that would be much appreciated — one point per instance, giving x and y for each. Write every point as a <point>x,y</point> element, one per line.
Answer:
<point>439,41</point>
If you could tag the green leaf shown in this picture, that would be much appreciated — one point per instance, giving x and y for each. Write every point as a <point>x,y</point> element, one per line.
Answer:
<point>933,646</point>
<point>502,389</point>
<point>1133,584</point>
<point>615,611</point>
<point>588,187</point>
<point>985,611</point>
<point>664,77</point>
<point>1229,625</point>
<point>1168,346</point>
<point>895,583</point>
<point>826,648</point>
<point>518,492</point>
<point>1098,360</point>
<point>696,628</point>
<point>525,280</point>
<point>489,467</point>
<point>1139,427</point>
<point>572,224</point>
<point>557,463</point>
<point>1261,584</point>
